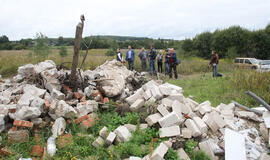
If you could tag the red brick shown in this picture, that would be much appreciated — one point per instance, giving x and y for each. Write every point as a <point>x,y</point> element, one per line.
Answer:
<point>23,123</point>
<point>66,88</point>
<point>64,140</point>
<point>12,110</point>
<point>89,122</point>
<point>68,121</point>
<point>37,150</point>
<point>82,118</point>
<point>77,95</point>
<point>106,100</point>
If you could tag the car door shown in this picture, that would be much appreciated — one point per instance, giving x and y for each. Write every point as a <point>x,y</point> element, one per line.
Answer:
<point>247,63</point>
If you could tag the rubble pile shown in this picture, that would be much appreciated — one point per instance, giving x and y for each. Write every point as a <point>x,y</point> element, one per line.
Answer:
<point>38,95</point>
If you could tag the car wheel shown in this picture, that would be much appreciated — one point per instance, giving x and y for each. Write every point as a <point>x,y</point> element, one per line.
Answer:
<point>253,67</point>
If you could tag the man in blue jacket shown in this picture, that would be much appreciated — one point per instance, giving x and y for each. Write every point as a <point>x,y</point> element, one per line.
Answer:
<point>172,63</point>
<point>130,56</point>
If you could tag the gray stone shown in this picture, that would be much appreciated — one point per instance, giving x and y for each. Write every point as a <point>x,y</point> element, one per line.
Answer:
<point>153,118</point>
<point>169,131</point>
<point>84,108</point>
<point>200,124</point>
<point>186,133</point>
<point>123,133</point>
<point>182,154</point>
<point>58,127</point>
<point>143,126</point>
<point>104,132</point>
<point>34,91</point>
<point>169,120</point>
<point>110,138</point>
<point>159,152</point>
<point>190,124</point>
<point>130,127</point>
<point>62,109</point>
<point>162,110</point>
<point>37,121</point>
<point>99,142</point>
<point>38,103</point>
<point>57,95</point>
<point>137,104</point>
<point>26,113</point>
<point>42,66</point>
<point>137,95</point>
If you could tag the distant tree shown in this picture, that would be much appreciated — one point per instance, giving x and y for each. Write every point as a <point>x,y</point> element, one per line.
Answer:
<point>41,47</point>
<point>60,41</point>
<point>63,51</point>
<point>187,45</point>
<point>202,43</point>
<point>4,39</point>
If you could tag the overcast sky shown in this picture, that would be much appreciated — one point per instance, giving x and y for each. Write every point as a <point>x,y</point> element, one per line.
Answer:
<point>177,19</point>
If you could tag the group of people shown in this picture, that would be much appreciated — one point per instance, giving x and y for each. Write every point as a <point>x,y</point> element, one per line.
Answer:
<point>152,57</point>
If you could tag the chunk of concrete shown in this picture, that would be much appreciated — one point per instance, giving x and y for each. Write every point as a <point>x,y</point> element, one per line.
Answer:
<point>186,133</point>
<point>264,156</point>
<point>205,107</point>
<point>190,124</point>
<point>58,127</point>
<point>169,131</point>
<point>149,85</point>
<point>137,104</point>
<point>87,107</point>
<point>234,145</point>
<point>133,158</point>
<point>4,100</point>
<point>104,132</point>
<point>176,107</point>
<point>162,110</point>
<point>266,118</point>
<point>62,109</point>
<point>155,92</point>
<point>167,102</point>
<point>26,113</point>
<point>37,103</point>
<point>264,131</point>
<point>170,120</point>
<point>182,154</point>
<point>55,94</point>
<point>98,142</point>
<point>46,65</point>
<point>123,133</point>
<point>143,126</point>
<point>159,152</point>
<point>34,91</point>
<point>130,127</point>
<point>153,118</point>
<point>200,124</point>
<point>147,95</point>
<point>137,95</point>
<point>110,138</point>
<point>167,89</point>
<point>179,97</point>
<point>205,146</point>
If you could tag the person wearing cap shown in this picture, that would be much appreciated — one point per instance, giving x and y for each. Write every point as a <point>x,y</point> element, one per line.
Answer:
<point>151,58</point>
<point>130,57</point>
<point>172,63</point>
<point>143,56</point>
<point>160,61</point>
<point>119,56</point>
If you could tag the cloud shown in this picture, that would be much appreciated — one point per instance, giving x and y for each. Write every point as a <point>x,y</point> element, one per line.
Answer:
<point>176,19</point>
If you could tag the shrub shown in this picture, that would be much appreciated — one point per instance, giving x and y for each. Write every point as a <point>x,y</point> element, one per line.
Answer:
<point>63,51</point>
<point>41,47</point>
<point>111,52</point>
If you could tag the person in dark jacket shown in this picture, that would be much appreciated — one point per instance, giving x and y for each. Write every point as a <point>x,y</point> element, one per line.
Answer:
<point>143,56</point>
<point>172,63</point>
<point>119,56</point>
<point>214,63</point>
<point>130,57</point>
<point>166,62</point>
<point>160,61</point>
<point>151,58</point>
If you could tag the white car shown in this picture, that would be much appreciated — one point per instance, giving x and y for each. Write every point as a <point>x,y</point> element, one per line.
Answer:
<point>264,65</point>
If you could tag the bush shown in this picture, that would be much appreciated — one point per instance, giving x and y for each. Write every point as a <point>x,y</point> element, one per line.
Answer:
<point>63,51</point>
<point>41,48</point>
<point>111,52</point>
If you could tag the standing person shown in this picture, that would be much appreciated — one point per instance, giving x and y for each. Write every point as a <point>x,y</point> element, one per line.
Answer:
<point>152,57</point>
<point>172,63</point>
<point>166,62</point>
<point>130,56</point>
<point>160,61</point>
<point>143,57</point>
<point>119,56</point>
<point>214,63</point>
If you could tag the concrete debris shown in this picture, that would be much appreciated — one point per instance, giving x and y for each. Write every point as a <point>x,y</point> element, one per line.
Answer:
<point>159,152</point>
<point>169,131</point>
<point>190,124</point>
<point>122,133</point>
<point>62,109</point>
<point>103,132</point>
<point>137,104</point>
<point>98,142</point>
<point>152,119</point>
<point>170,120</point>
<point>58,127</point>
<point>84,108</point>
<point>182,154</point>
<point>110,138</point>
<point>162,110</point>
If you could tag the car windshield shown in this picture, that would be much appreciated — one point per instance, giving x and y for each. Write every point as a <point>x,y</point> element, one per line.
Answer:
<point>254,61</point>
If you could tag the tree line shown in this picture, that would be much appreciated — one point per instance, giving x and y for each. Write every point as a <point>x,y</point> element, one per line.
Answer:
<point>232,42</point>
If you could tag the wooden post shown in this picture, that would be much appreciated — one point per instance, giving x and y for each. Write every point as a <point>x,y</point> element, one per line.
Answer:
<point>77,43</point>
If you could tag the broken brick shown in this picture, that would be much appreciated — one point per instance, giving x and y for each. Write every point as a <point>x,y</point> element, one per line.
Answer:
<point>106,100</point>
<point>64,140</point>
<point>89,122</point>
<point>66,88</point>
<point>82,118</point>
<point>23,123</point>
<point>77,95</point>
<point>37,150</point>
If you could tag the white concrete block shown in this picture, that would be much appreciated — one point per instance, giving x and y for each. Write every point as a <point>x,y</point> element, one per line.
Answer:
<point>169,120</point>
<point>57,95</point>
<point>182,154</point>
<point>186,133</point>
<point>130,127</point>
<point>159,152</point>
<point>147,95</point>
<point>98,142</point>
<point>234,145</point>
<point>137,95</point>
<point>205,146</point>
<point>137,104</point>
<point>200,124</point>
<point>176,107</point>
<point>155,92</point>
<point>162,110</point>
<point>153,118</point>
<point>266,118</point>
<point>143,126</point>
<point>167,102</point>
<point>123,133</point>
<point>190,124</point>
<point>104,132</point>
<point>179,97</point>
<point>169,131</point>
<point>110,138</point>
<point>205,109</point>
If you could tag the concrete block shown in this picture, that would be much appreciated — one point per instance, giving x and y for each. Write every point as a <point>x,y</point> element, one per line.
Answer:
<point>137,95</point>
<point>137,104</point>
<point>134,158</point>
<point>159,152</point>
<point>200,124</point>
<point>264,156</point>
<point>218,119</point>
<point>147,95</point>
<point>110,138</point>
<point>98,142</point>
<point>234,145</point>
<point>182,154</point>
<point>123,133</point>
<point>190,124</point>
<point>179,97</point>
<point>194,103</point>
<point>186,133</point>
<point>169,131</point>
<point>169,120</point>
<point>155,92</point>
<point>147,157</point>
<point>162,110</point>
<point>204,109</point>
<point>150,101</point>
<point>153,118</point>
<point>168,143</point>
<point>167,102</point>
<point>176,107</point>
<point>130,127</point>
<point>149,85</point>
<point>206,147</point>
<point>168,89</point>
<point>266,118</point>
<point>104,132</point>
<point>143,126</point>
<point>264,131</point>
